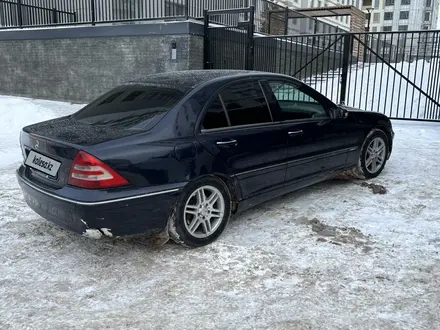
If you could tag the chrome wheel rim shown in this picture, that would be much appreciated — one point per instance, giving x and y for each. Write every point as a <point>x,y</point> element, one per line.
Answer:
<point>204,211</point>
<point>375,155</point>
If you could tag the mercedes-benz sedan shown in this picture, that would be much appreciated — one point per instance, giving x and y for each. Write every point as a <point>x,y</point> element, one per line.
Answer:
<point>180,152</point>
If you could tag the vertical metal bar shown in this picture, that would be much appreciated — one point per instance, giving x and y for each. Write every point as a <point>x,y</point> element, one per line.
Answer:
<point>345,61</point>
<point>357,71</point>
<point>19,13</point>
<point>334,70</point>
<point>437,91</point>
<point>301,58</point>
<point>401,70</point>
<point>421,81</point>
<point>394,78</point>
<point>408,74</point>
<point>307,61</point>
<point>435,64</point>
<point>388,77</point>
<point>383,65</point>
<point>375,73</point>
<point>206,52</point>
<point>92,11</point>
<point>364,54</point>
<point>269,22</point>
<point>54,16</point>
<point>415,75</point>
<point>286,55</point>
<point>368,50</point>
<point>290,55</point>
<point>327,70</point>
<point>250,41</point>
<point>186,9</point>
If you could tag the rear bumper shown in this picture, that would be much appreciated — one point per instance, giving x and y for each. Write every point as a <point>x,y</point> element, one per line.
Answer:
<point>144,214</point>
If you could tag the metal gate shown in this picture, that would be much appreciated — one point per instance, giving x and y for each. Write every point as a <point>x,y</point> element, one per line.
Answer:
<point>395,73</point>
<point>229,46</point>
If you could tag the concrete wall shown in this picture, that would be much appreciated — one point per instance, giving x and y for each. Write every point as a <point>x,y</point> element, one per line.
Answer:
<point>78,64</point>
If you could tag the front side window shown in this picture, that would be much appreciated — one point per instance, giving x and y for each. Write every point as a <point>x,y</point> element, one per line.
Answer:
<point>296,104</point>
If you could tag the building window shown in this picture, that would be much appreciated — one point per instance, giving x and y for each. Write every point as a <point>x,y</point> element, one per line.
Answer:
<point>388,16</point>
<point>376,17</point>
<point>427,17</point>
<point>376,3</point>
<point>387,28</point>
<point>406,2</point>
<point>374,28</point>
<point>404,14</point>
<point>403,27</point>
<point>389,2</point>
<point>428,3</point>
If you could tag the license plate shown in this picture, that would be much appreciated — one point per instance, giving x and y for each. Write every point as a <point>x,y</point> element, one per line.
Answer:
<point>42,163</point>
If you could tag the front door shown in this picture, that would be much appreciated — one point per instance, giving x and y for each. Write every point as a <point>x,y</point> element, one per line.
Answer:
<point>316,143</point>
<point>238,130</point>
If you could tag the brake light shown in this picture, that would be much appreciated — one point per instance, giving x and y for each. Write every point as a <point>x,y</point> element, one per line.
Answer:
<point>90,173</point>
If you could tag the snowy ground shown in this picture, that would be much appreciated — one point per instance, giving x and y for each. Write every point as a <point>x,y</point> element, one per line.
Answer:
<point>333,256</point>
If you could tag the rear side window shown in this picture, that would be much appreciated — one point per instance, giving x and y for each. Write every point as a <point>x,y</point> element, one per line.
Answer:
<point>215,116</point>
<point>129,106</point>
<point>243,104</point>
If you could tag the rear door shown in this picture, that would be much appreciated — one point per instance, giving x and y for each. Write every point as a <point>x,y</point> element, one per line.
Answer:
<point>316,144</point>
<point>238,130</point>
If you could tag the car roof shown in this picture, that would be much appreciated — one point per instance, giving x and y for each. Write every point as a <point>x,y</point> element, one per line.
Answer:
<point>188,80</point>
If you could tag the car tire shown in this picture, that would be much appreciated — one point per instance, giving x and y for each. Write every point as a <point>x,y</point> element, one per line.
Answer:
<point>201,213</point>
<point>374,154</point>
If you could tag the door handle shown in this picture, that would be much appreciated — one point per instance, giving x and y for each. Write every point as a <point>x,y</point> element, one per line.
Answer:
<point>228,143</point>
<point>295,133</point>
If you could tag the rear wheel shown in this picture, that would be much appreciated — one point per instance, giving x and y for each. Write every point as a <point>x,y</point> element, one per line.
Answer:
<point>201,213</point>
<point>374,154</point>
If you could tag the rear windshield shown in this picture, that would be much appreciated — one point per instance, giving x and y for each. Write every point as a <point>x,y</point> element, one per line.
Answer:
<point>130,107</point>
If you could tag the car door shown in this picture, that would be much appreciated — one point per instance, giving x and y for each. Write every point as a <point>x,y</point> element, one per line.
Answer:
<point>238,130</point>
<point>317,145</point>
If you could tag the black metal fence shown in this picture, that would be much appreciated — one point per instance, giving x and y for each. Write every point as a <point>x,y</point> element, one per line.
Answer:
<point>269,17</point>
<point>395,73</point>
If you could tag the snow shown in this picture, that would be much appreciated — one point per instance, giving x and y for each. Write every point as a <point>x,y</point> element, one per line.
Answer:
<point>332,256</point>
<point>15,113</point>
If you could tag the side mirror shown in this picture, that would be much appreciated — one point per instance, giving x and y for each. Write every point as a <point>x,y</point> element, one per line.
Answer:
<point>338,113</point>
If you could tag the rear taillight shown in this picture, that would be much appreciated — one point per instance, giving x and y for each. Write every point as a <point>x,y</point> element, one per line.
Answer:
<point>90,173</point>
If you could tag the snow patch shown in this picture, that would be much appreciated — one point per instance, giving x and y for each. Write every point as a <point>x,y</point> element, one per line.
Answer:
<point>16,113</point>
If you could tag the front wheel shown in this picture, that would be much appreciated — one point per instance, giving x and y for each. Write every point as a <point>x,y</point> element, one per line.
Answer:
<point>201,213</point>
<point>374,154</point>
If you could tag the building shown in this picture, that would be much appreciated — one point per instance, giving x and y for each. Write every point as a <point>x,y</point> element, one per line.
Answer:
<point>403,15</point>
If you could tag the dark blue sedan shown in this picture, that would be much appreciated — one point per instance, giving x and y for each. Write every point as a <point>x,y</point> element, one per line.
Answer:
<point>179,153</point>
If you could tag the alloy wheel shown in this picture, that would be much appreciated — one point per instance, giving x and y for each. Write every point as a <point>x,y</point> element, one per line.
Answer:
<point>375,155</point>
<point>204,211</point>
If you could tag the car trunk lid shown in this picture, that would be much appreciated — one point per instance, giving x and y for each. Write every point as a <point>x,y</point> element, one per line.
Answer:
<point>50,147</point>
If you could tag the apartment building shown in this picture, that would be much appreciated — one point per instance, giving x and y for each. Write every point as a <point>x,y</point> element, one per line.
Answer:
<point>403,15</point>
